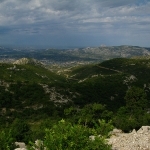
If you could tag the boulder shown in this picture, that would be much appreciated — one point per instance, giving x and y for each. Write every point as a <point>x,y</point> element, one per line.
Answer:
<point>21,146</point>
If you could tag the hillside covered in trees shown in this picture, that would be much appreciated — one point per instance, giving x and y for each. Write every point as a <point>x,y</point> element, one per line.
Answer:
<point>92,99</point>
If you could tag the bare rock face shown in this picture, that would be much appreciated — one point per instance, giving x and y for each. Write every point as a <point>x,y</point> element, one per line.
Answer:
<point>24,61</point>
<point>136,140</point>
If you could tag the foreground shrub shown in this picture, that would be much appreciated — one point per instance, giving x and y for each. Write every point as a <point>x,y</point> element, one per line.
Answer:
<point>20,130</point>
<point>67,136</point>
<point>6,140</point>
<point>103,128</point>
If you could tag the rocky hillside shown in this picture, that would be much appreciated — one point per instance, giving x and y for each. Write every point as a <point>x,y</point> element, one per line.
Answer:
<point>105,53</point>
<point>104,83</point>
<point>29,70</point>
<point>138,67</point>
<point>91,95</point>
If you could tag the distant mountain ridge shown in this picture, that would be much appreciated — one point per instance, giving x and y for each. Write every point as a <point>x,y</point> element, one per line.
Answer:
<point>110,52</point>
<point>89,54</point>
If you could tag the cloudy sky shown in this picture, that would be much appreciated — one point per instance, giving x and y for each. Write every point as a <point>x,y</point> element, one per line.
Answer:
<point>74,23</point>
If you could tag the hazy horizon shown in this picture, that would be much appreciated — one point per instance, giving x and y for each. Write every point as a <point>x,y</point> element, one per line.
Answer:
<point>61,47</point>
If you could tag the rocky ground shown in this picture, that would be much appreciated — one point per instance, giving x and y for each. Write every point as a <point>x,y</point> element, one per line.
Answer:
<point>136,140</point>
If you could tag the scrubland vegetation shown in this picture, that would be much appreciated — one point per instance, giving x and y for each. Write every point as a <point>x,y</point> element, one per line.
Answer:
<point>64,110</point>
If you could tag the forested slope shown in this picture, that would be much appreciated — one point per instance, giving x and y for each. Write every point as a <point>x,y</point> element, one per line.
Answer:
<point>114,93</point>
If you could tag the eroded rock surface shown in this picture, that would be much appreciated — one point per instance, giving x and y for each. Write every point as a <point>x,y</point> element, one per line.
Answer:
<point>136,140</point>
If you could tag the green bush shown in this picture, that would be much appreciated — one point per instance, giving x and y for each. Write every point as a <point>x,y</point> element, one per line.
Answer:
<point>20,130</point>
<point>89,114</point>
<point>103,127</point>
<point>136,100</point>
<point>67,136</point>
<point>6,140</point>
<point>134,114</point>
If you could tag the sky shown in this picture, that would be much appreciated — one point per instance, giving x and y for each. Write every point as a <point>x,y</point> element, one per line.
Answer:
<point>74,23</point>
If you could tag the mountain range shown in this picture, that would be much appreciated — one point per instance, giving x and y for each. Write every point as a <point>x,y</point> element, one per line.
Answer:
<point>78,55</point>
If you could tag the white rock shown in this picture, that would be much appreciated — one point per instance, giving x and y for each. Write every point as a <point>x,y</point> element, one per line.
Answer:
<point>144,129</point>
<point>21,145</point>
<point>20,149</point>
<point>139,140</point>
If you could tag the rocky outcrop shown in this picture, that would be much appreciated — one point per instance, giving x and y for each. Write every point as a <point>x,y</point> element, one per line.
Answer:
<point>58,96</point>
<point>136,140</point>
<point>24,61</point>
<point>38,145</point>
<point>21,146</point>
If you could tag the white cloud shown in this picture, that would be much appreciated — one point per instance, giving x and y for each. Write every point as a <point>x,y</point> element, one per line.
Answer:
<point>34,11</point>
<point>79,16</point>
